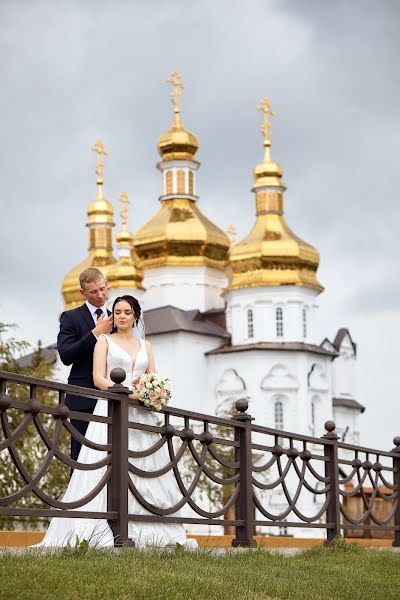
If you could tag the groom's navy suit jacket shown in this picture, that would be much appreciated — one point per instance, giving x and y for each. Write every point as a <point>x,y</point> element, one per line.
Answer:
<point>75,344</point>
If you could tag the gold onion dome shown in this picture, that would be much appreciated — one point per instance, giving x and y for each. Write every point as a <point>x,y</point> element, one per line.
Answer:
<point>127,271</point>
<point>177,143</point>
<point>100,223</point>
<point>272,254</point>
<point>179,234</point>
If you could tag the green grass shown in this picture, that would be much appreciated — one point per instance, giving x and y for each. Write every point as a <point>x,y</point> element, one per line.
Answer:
<point>319,574</point>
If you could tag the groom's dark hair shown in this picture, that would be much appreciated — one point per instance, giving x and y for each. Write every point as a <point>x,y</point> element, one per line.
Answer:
<point>134,304</point>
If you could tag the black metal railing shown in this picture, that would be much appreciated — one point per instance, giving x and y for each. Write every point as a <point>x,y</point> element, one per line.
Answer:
<point>228,471</point>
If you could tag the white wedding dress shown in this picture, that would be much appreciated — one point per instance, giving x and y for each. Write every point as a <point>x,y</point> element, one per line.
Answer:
<point>160,491</point>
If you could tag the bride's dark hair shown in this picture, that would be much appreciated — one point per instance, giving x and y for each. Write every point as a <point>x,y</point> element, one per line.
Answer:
<point>134,304</point>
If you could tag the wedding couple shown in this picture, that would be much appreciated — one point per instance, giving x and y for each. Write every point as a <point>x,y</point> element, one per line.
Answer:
<point>94,341</point>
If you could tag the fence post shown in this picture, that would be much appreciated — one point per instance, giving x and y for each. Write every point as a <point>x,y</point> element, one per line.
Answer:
<point>332,472</point>
<point>244,503</point>
<point>396,482</point>
<point>119,461</point>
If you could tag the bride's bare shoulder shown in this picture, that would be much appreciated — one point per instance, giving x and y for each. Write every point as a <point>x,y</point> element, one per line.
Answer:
<point>102,341</point>
<point>148,345</point>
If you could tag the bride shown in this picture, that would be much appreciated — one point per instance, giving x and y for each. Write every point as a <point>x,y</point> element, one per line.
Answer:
<point>120,349</point>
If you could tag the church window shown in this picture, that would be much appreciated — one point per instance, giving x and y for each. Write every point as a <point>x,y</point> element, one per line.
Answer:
<point>181,181</point>
<point>250,323</point>
<point>278,414</point>
<point>279,322</point>
<point>304,322</point>
<point>168,182</point>
<point>191,183</point>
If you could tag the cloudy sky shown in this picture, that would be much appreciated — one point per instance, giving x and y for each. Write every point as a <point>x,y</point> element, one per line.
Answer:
<point>75,70</point>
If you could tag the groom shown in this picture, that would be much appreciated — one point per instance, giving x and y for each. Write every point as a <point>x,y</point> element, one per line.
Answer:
<point>79,330</point>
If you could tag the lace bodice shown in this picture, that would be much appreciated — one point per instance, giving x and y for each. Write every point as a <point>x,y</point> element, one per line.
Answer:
<point>117,357</point>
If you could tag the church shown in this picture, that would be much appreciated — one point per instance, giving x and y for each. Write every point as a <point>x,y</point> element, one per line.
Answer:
<point>226,320</point>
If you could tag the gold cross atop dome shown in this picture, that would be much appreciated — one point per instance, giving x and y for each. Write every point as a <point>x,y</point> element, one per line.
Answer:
<point>265,107</point>
<point>178,87</point>
<point>125,201</point>
<point>99,148</point>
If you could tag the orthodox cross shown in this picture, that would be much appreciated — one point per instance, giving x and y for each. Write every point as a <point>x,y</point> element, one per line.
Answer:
<point>265,107</point>
<point>124,199</point>
<point>178,87</point>
<point>100,151</point>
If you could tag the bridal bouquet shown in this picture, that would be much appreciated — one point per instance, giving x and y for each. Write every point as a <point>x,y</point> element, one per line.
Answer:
<point>151,389</point>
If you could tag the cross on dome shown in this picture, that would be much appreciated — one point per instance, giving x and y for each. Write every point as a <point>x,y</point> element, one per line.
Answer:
<point>125,201</point>
<point>178,87</point>
<point>265,107</point>
<point>99,148</point>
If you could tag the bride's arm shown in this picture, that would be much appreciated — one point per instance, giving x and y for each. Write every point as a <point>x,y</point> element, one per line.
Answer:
<point>100,365</point>
<point>151,367</point>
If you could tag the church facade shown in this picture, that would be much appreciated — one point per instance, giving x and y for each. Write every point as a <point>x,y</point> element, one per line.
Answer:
<point>227,320</point>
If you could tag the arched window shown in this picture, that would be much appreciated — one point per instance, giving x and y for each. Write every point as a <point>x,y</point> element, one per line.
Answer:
<point>278,414</point>
<point>250,323</point>
<point>191,183</point>
<point>180,181</point>
<point>279,322</point>
<point>168,182</point>
<point>304,322</point>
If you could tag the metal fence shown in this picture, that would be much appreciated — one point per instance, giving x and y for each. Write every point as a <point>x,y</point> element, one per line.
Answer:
<point>229,471</point>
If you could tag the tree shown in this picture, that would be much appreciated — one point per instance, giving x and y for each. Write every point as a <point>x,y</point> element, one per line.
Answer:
<point>216,494</point>
<point>31,448</point>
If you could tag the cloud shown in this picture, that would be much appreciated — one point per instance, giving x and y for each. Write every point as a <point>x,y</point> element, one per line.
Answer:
<point>73,71</point>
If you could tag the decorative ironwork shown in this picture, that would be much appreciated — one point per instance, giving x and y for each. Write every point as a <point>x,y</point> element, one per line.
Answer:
<point>262,471</point>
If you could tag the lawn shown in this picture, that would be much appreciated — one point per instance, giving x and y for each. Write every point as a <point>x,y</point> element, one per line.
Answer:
<point>319,574</point>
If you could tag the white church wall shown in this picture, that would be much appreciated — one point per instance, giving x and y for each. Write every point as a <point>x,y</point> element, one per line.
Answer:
<point>347,424</point>
<point>319,405</point>
<point>344,367</point>
<point>181,357</point>
<point>264,302</point>
<point>268,375</point>
<point>187,288</point>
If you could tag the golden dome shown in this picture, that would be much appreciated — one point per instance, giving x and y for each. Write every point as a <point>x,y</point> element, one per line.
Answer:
<point>126,272</point>
<point>177,143</point>
<point>100,223</point>
<point>267,172</point>
<point>179,233</point>
<point>272,254</point>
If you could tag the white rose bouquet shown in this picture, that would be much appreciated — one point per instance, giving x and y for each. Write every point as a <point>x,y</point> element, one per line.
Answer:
<point>151,389</point>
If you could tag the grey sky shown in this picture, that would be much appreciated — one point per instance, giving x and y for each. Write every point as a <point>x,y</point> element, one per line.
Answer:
<point>72,71</point>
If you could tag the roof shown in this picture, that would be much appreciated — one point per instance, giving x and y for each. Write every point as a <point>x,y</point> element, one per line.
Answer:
<point>291,346</point>
<point>50,353</point>
<point>348,403</point>
<point>170,319</point>
<point>341,334</point>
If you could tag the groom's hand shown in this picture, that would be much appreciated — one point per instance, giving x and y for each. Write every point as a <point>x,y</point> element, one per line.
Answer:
<point>103,325</point>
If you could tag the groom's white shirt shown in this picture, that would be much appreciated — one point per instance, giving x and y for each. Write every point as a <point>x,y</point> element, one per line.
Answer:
<point>93,311</point>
